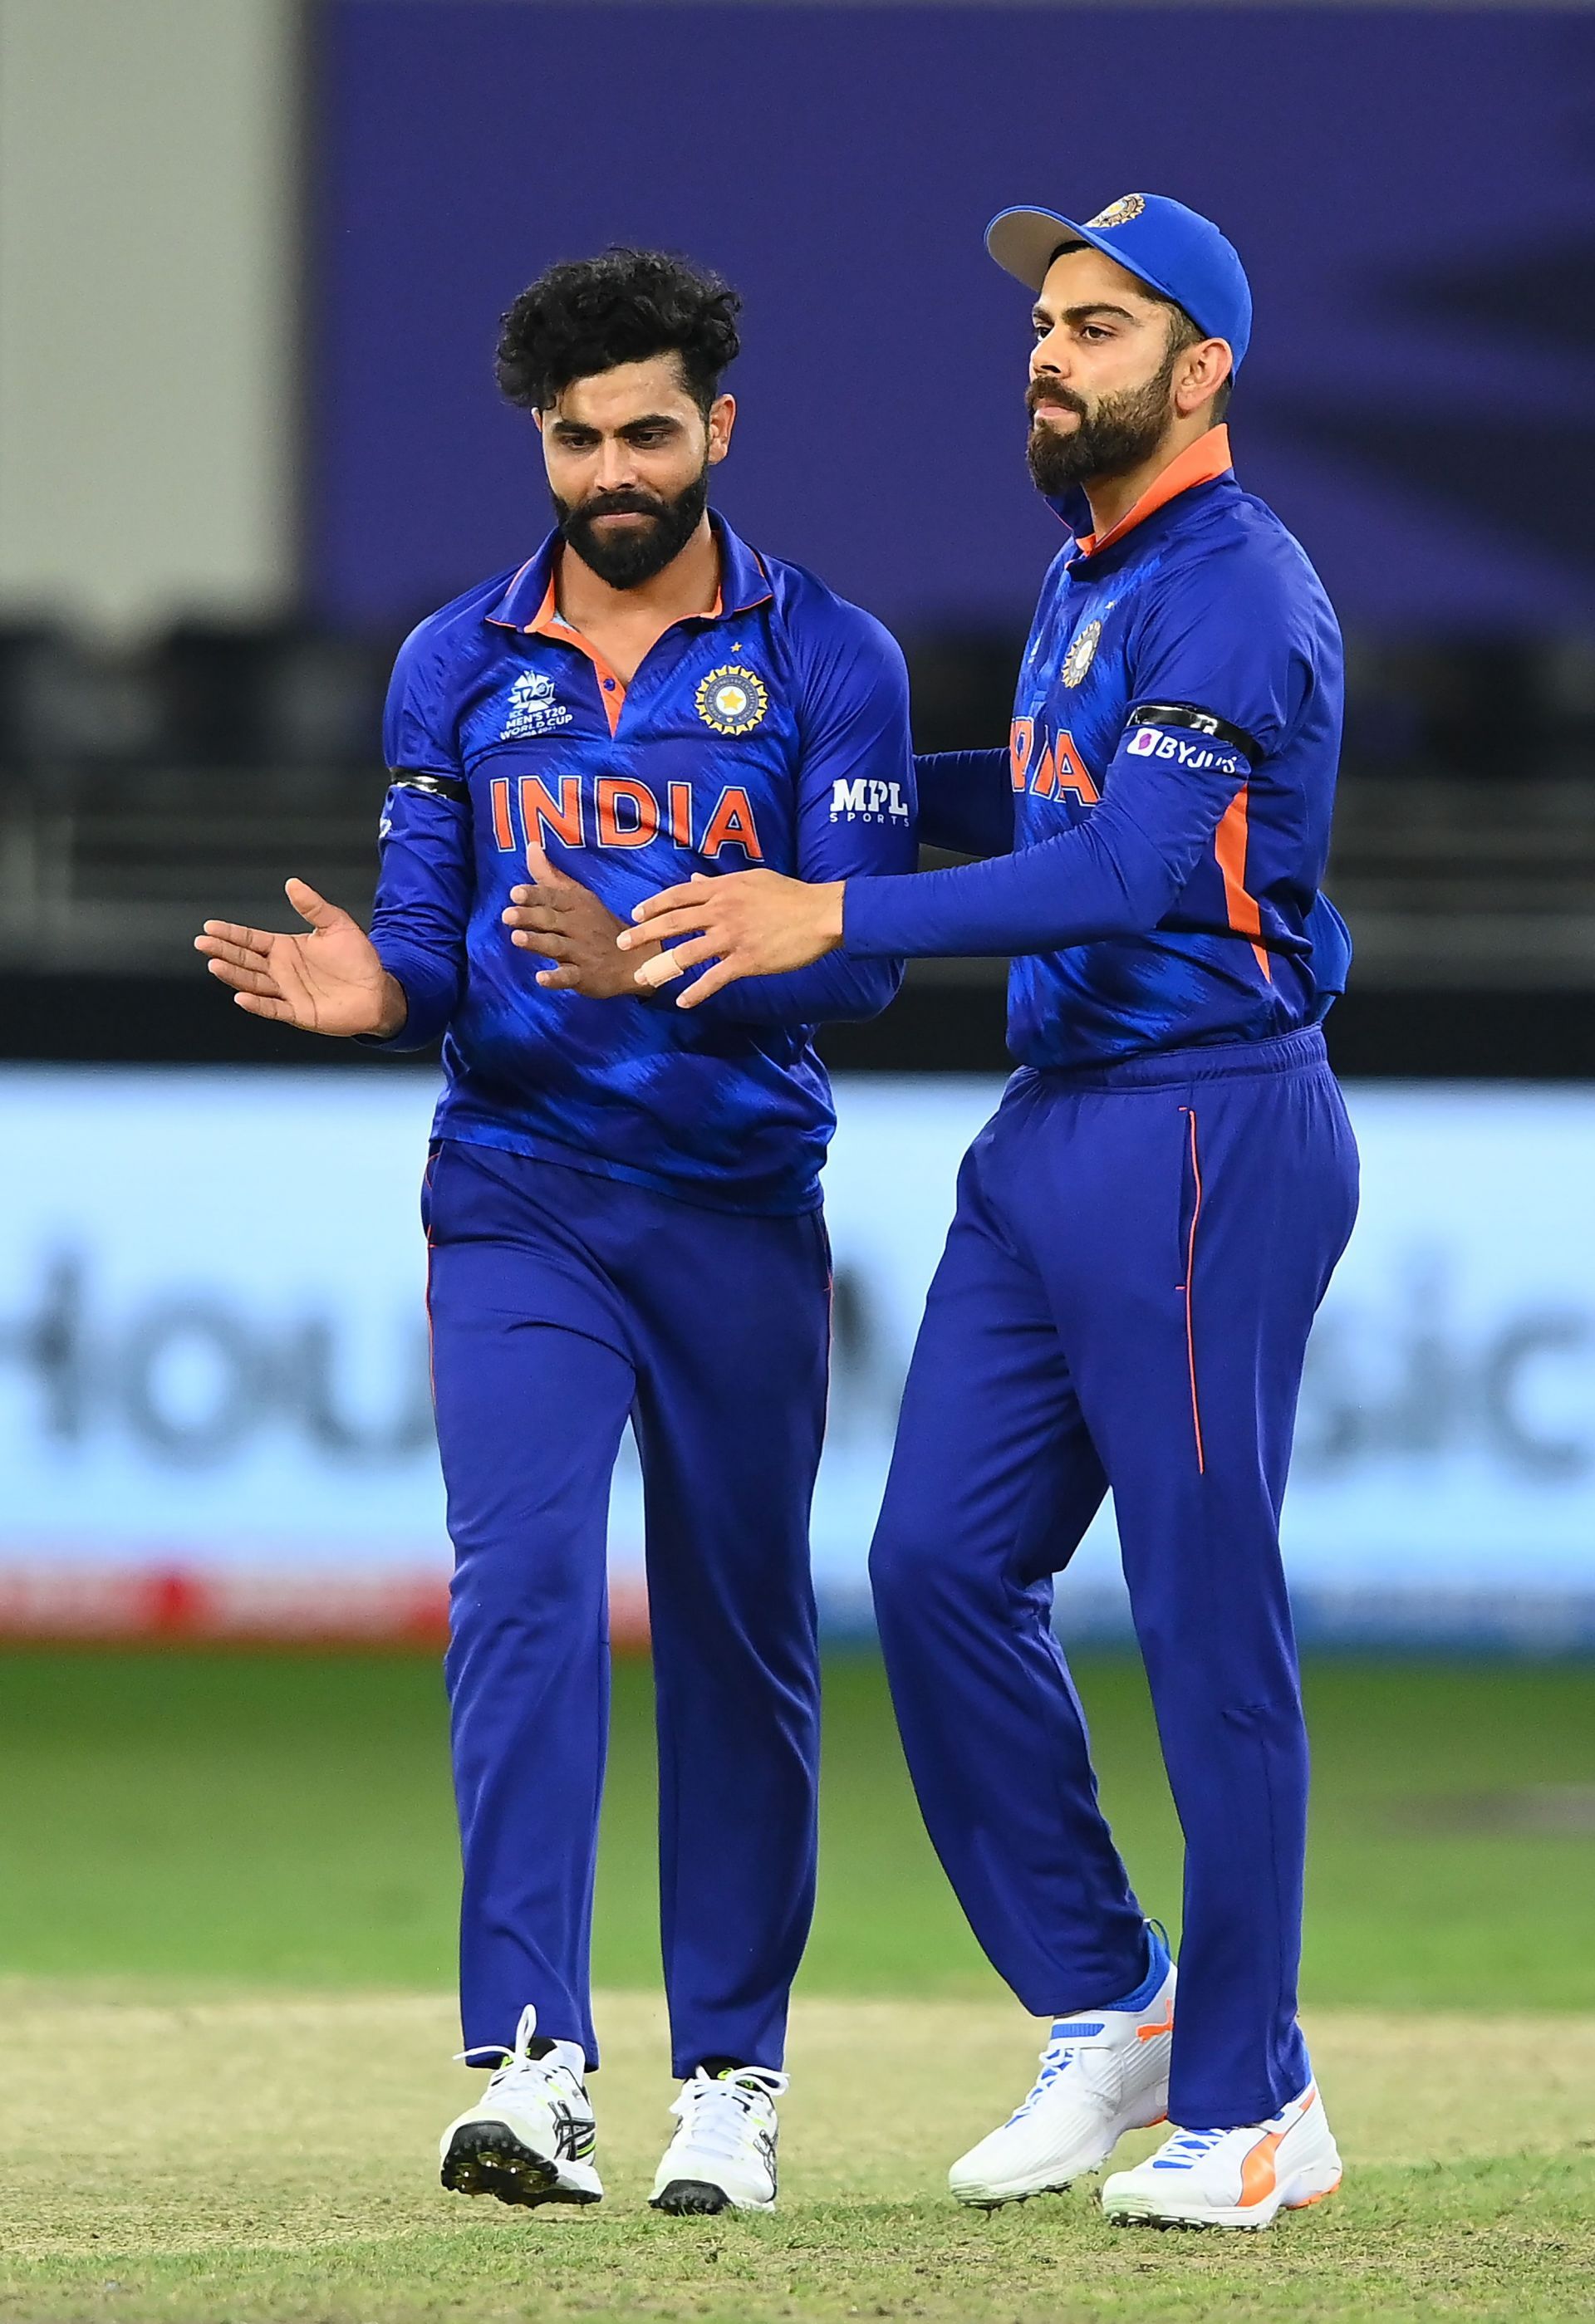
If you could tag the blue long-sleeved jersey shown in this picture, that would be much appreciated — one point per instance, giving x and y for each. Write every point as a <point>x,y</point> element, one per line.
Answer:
<point>1160,825</point>
<point>772,731</point>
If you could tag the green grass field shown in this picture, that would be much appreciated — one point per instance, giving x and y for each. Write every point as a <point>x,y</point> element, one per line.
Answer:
<point>227,1893</point>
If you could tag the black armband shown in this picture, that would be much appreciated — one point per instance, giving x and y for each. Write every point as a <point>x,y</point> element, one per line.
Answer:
<point>448,787</point>
<point>1200,722</point>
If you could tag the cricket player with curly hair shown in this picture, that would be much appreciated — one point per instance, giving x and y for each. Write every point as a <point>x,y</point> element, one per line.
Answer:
<point>623,1202</point>
<point>1143,1233</point>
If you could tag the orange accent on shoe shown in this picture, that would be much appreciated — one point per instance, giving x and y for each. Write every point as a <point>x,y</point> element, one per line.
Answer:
<point>1150,2033</point>
<point>1259,2177</point>
<point>1307,2201</point>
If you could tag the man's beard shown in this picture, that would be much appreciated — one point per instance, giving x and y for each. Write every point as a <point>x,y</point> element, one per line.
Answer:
<point>1124,432</point>
<point>627,558</point>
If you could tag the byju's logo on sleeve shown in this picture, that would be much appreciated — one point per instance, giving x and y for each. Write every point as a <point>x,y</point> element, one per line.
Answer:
<point>867,800</point>
<point>533,709</point>
<point>1157,742</point>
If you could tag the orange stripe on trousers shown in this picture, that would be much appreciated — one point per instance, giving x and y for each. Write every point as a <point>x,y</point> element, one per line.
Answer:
<point>1190,1113</point>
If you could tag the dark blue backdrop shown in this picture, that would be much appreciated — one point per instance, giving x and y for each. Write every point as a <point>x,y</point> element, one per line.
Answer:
<point>1412,191</point>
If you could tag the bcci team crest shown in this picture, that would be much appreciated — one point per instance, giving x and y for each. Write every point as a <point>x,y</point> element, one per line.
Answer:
<point>1119,213</point>
<point>1078,658</point>
<point>731,701</point>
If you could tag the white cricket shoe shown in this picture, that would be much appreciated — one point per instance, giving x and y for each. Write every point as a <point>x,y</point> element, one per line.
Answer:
<point>1231,2178</point>
<point>532,2138</point>
<point>723,2156</point>
<point>1103,2073</point>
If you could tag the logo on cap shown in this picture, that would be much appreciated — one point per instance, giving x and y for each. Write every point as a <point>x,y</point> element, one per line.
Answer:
<point>1119,213</point>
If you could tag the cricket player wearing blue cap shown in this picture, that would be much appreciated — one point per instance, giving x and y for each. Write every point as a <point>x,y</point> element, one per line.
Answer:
<point>1143,1233</point>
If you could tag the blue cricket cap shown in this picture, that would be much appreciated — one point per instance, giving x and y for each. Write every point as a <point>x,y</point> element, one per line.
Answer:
<point>1159,241</point>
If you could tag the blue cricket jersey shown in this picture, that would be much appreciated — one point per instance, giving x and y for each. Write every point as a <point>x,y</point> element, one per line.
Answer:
<point>772,731</point>
<point>1160,822</point>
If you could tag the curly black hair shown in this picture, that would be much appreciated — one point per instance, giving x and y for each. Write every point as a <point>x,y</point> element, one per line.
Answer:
<point>590,314</point>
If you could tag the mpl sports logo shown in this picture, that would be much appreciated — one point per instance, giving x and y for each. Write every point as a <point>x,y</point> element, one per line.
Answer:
<point>1158,743</point>
<point>534,708</point>
<point>867,800</point>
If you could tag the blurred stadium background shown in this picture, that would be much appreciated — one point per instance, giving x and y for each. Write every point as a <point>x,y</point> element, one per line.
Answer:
<point>251,254</point>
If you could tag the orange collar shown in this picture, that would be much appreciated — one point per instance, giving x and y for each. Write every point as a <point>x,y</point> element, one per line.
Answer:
<point>550,623</point>
<point>1200,463</point>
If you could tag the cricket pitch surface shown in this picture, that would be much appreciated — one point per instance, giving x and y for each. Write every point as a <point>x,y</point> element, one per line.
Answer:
<point>233,2154</point>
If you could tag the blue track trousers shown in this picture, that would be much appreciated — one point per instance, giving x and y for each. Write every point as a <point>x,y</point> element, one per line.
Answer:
<point>562,1304</point>
<point>1124,1300</point>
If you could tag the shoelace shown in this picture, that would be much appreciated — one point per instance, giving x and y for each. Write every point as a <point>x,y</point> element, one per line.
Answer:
<point>1064,2049</point>
<point>1186,2148</point>
<point>1060,2053</point>
<point>717,2112</point>
<point>514,2062</point>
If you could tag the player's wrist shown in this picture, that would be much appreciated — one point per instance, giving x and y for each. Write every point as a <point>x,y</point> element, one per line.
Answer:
<point>393,1007</point>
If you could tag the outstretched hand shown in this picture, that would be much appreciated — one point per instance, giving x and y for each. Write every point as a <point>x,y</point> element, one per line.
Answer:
<point>565,923</point>
<point>329,981</point>
<point>746,923</point>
